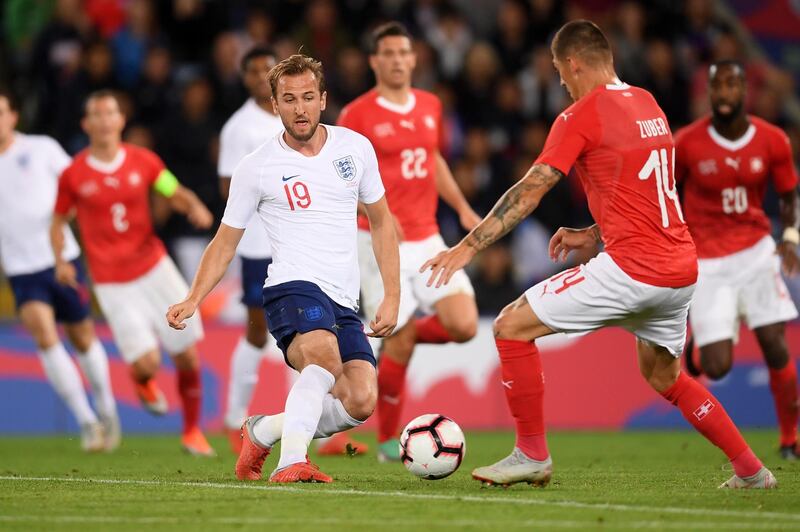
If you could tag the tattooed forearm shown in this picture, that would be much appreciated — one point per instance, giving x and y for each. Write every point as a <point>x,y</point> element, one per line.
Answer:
<point>596,234</point>
<point>517,203</point>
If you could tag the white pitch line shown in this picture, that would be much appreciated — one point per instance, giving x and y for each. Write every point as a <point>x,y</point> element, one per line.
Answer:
<point>424,496</point>
<point>427,522</point>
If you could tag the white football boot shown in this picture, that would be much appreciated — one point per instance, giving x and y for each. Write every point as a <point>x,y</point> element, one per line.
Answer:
<point>93,438</point>
<point>515,468</point>
<point>762,480</point>
<point>112,430</point>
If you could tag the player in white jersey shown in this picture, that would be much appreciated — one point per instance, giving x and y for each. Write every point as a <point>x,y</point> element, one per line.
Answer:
<point>29,170</point>
<point>248,128</point>
<point>305,185</point>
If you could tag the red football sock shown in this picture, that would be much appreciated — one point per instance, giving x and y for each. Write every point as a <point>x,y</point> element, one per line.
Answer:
<point>431,331</point>
<point>391,393</point>
<point>523,383</point>
<point>708,416</point>
<point>783,383</point>
<point>190,390</point>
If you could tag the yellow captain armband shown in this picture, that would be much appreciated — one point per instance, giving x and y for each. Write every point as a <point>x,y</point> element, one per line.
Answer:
<point>166,183</point>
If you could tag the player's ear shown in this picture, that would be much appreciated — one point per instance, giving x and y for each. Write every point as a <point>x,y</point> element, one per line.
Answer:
<point>274,104</point>
<point>323,100</point>
<point>373,61</point>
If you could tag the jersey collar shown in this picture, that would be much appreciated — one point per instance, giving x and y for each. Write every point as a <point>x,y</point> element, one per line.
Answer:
<point>107,167</point>
<point>403,109</point>
<point>732,145</point>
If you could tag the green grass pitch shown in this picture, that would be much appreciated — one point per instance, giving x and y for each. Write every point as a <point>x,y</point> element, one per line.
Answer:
<point>609,481</point>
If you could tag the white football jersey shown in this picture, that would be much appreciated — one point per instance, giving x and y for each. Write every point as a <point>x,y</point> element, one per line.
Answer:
<point>247,129</point>
<point>29,172</point>
<point>308,206</point>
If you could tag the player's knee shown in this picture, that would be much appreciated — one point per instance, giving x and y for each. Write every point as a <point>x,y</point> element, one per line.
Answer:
<point>663,380</point>
<point>145,367</point>
<point>400,347</point>
<point>715,368</point>
<point>506,325</point>
<point>776,353</point>
<point>361,402</point>
<point>463,330</point>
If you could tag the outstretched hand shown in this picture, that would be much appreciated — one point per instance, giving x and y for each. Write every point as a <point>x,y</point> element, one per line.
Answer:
<point>448,262</point>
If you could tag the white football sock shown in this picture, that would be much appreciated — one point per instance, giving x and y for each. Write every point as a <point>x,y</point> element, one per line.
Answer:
<point>302,413</point>
<point>94,364</point>
<point>243,378</point>
<point>63,375</point>
<point>268,430</point>
<point>334,419</point>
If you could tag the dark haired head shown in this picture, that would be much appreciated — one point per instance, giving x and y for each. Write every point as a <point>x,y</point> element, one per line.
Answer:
<point>98,95</point>
<point>390,29</point>
<point>581,38</point>
<point>257,51</point>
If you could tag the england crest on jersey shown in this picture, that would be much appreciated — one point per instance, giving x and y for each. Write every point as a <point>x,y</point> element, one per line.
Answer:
<point>345,167</point>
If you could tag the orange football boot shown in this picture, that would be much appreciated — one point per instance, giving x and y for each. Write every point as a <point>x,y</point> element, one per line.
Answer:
<point>196,444</point>
<point>252,456</point>
<point>299,472</point>
<point>151,397</point>
<point>342,444</point>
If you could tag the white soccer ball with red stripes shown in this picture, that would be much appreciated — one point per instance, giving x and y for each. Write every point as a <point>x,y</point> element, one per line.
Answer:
<point>432,446</point>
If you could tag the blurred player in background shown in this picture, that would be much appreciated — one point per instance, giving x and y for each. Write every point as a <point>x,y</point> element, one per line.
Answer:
<point>618,139</point>
<point>29,170</point>
<point>305,185</point>
<point>405,127</point>
<point>724,162</point>
<point>247,129</point>
<point>108,187</point>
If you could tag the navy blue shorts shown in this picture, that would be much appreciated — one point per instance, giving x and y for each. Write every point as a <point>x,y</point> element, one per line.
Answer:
<point>301,306</point>
<point>70,305</point>
<point>254,271</point>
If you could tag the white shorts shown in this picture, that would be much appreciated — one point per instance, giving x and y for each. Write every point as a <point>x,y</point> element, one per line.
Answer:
<point>414,293</point>
<point>746,284</point>
<point>599,294</point>
<point>136,311</point>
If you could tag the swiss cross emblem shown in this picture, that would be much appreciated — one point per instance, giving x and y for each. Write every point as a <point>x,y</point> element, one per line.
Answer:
<point>134,179</point>
<point>756,165</point>
<point>704,409</point>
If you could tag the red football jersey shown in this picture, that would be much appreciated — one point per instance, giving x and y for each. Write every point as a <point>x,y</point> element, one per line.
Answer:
<point>724,183</point>
<point>112,202</point>
<point>619,141</point>
<point>406,139</point>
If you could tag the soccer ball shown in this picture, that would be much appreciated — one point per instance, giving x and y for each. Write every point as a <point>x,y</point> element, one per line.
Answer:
<point>432,446</point>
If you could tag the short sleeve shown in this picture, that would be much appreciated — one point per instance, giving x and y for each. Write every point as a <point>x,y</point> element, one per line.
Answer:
<point>58,159</point>
<point>784,173</point>
<point>65,198</point>
<point>231,150</point>
<point>568,137</point>
<point>152,163</point>
<point>370,188</point>
<point>244,196</point>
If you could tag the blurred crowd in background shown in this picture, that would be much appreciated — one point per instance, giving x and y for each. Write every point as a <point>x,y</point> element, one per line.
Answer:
<point>176,63</point>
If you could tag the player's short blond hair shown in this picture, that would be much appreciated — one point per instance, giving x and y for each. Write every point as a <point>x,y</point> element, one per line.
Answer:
<point>295,65</point>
